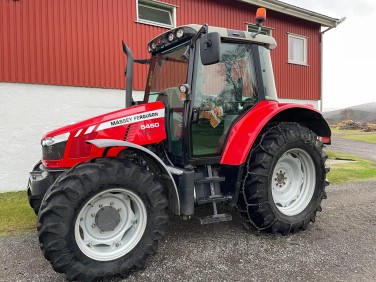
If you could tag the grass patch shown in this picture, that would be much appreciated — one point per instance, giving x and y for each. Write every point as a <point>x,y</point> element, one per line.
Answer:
<point>358,135</point>
<point>369,138</point>
<point>341,173</point>
<point>15,213</point>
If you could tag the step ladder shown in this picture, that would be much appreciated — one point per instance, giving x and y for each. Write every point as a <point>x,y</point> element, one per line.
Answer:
<point>213,198</point>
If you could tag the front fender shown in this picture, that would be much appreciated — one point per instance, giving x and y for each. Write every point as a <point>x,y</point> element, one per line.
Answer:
<point>244,133</point>
<point>174,201</point>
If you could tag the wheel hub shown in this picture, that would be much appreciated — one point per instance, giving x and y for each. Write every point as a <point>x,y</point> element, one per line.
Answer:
<point>107,218</point>
<point>280,179</point>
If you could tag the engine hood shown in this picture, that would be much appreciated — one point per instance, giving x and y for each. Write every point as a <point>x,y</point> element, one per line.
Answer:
<point>114,119</point>
<point>68,145</point>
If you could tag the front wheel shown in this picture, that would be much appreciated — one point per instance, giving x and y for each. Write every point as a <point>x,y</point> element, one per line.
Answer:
<point>102,219</point>
<point>285,180</point>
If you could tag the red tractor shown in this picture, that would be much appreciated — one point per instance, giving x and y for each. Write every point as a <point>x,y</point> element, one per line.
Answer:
<point>209,131</point>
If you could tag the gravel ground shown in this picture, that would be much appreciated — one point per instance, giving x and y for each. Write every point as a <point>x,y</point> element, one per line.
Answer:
<point>340,246</point>
<point>362,149</point>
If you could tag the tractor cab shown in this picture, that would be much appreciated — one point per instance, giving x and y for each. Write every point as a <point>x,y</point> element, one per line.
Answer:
<point>207,77</point>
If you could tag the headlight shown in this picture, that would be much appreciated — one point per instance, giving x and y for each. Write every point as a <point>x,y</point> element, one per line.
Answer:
<point>49,141</point>
<point>53,148</point>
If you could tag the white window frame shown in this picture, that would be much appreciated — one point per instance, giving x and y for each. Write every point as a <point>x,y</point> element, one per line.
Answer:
<point>264,30</point>
<point>157,5</point>
<point>305,49</point>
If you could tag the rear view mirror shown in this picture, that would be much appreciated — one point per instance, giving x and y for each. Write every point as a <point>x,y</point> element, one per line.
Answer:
<point>210,51</point>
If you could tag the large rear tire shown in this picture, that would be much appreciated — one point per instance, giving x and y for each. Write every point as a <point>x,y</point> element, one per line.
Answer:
<point>102,219</point>
<point>285,180</point>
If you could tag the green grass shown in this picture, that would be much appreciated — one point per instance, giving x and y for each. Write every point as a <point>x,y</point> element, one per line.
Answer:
<point>341,173</point>
<point>357,135</point>
<point>369,138</point>
<point>343,132</point>
<point>15,213</point>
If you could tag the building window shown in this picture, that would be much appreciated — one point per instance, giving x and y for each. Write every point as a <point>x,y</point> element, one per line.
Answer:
<point>155,13</point>
<point>297,49</point>
<point>254,28</point>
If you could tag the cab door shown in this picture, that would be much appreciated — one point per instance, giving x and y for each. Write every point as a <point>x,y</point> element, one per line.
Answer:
<point>222,92</point>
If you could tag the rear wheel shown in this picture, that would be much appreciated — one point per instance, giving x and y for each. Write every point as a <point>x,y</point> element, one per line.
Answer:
<point>285,180</point>
<point>102,219</point>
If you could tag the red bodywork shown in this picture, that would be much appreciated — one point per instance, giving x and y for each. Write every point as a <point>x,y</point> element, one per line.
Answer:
<point>246,130</point>
<point>142,125</point>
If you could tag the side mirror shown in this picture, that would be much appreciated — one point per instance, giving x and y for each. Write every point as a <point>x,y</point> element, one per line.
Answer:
<point>210,51</point>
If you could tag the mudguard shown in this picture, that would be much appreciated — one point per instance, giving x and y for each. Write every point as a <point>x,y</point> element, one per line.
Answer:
<point>244,133</point>
<point>174,201</point>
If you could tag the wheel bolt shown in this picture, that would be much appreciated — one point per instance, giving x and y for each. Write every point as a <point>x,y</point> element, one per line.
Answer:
<point>100,205</point>
<point>117,244</point>
<point>93,226</point>
<point>93,214</point>
<point>81,219</point>
<point>112,203</point>
<point>119,209</point>
<point>275,179</point>
<point>101,231</point>
<point>134,221</point>
<point>89,245</point>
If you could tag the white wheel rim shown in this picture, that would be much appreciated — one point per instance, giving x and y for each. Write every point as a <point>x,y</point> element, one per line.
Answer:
<point>293,182</point>
<point>126,208</point>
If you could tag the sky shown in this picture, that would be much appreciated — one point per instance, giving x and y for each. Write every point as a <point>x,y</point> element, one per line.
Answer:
<point>349,73</point>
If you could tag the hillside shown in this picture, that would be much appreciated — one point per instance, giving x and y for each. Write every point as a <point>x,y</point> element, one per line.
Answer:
<point>363,112</point>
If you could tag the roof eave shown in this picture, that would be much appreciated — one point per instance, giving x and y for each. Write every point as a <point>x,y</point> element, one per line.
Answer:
<point>294,11</point>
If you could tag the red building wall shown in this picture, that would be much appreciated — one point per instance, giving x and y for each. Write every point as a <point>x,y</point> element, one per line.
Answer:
<point>78,42</point>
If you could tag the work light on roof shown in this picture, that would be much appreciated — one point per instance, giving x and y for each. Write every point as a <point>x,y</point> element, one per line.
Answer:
<point>170,37</point>
<point>179,33</point>
<point>153,45</point>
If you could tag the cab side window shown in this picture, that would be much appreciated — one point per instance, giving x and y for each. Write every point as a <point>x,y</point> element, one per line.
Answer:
<point>223,91</point>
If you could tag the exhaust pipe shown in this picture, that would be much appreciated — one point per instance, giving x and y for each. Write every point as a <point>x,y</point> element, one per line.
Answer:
<point>128,72</point>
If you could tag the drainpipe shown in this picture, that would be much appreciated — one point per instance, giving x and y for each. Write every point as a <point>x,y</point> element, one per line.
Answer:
<point>341,20</point>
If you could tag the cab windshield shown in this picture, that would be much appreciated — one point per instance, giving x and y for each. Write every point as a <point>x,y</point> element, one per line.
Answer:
<point>167,72</point>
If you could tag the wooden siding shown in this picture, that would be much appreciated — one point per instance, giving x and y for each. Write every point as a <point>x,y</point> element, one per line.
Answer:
<point>78,42</point>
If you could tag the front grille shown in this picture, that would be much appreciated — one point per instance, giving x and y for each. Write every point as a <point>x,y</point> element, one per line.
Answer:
<point>54,152</point>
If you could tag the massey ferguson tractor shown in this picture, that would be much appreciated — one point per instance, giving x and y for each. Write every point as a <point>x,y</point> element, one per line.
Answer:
<point>209,131</point>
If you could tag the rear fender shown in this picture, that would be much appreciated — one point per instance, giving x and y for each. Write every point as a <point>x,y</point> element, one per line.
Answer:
<point>244,133</point>
<point>167,171</point>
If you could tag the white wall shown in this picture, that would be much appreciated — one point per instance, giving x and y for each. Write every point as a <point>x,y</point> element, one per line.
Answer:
<point>27,111</point>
